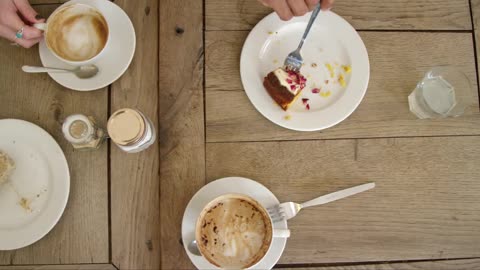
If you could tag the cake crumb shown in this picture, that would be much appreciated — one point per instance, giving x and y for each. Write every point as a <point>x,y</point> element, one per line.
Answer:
<point>275,61</point>
<point>347,69</point>
<point>25,204</point>
<point>330,69</point>
<point>287,117</point>
<point>314,65</point>
<point>270,32</point>
<point>325,94</point>
<point>341,80</point>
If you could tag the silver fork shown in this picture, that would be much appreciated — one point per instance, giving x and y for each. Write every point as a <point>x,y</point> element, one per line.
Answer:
<point>289,210</point>
<point>294,60</point>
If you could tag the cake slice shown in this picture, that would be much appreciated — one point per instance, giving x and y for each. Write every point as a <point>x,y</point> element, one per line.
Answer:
<point>284,86</point>
<point>6,167</point>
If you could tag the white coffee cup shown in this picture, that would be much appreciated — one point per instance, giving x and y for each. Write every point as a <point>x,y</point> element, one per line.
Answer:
<point>271,233</point>
<point>77,34</point>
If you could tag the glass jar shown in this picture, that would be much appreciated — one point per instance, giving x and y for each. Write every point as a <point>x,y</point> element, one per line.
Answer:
<point>82,132</point>
<point>131,130</point>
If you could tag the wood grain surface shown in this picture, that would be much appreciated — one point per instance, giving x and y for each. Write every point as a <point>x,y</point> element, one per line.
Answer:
<point>81,236</point>
<point>425,204</point>
<point>398,60</point>
<point>182,139</point>
<point>362,14</point>
<point>61,267</point>
<point>475,5</point>
<point>135,180</point>
<point>467,264</point>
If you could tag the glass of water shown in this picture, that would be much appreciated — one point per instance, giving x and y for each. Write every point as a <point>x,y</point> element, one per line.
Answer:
<point>444,91</point>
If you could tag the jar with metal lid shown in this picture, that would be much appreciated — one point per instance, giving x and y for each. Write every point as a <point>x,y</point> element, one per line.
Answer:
<point>82,132</point>
<point>131,130</point>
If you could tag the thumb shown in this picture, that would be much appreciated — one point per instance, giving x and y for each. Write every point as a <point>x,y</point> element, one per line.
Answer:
<point>27,11</point>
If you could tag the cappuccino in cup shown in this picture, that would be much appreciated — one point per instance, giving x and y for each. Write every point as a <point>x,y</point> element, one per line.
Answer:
<point>234,232</point>
<point>76,33</point>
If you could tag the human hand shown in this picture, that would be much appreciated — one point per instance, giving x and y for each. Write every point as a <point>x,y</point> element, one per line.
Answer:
<point>286,9</point>
<point>18,14</point>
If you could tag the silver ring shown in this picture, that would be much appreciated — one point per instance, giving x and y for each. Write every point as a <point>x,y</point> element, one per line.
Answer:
<point>19,33</point>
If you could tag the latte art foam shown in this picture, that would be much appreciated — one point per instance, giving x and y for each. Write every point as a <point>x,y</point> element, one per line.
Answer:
<point>234,233</point>
<point>77,33</point>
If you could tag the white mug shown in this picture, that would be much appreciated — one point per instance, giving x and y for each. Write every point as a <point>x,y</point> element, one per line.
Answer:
<point>275,233</point>
<point>45,26</point>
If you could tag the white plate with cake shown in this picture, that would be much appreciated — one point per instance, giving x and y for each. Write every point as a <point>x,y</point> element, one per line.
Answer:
<point>34,183</point>
<point>227,186</point>
<point>331,84</point>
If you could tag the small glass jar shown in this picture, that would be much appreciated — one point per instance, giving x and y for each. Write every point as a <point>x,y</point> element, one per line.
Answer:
<point>82,132</point>
<point>131,130</point>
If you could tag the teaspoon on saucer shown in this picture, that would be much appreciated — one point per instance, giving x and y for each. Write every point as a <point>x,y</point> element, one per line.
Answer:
<point>82,72</point>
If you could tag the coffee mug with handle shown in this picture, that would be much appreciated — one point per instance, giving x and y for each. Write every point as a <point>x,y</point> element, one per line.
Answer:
<point>272,232</point>
<point>75,33</point>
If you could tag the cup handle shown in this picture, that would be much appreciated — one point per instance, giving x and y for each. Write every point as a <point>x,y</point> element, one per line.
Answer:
<point>281,233</point>
<point>40,26</point>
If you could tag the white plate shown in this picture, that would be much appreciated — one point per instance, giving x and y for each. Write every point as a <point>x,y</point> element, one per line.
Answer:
<point>114,61</point>
<point>223,186</point>
<point>331,40</point>
<point>41,176</point>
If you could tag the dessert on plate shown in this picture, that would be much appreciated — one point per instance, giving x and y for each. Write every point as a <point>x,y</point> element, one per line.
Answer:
<point>6,167</point>
<point>284,86</point>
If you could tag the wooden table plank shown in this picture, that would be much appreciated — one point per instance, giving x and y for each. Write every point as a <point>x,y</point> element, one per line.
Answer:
<point>81,236</point>
<point>476,24</point>
<point>467,264</point>
<point>398,61</point>
<point>182,140</point>
<point>362,14</point>
<point>61,267</point>
<point>425,205</point>
<point>135,182</point>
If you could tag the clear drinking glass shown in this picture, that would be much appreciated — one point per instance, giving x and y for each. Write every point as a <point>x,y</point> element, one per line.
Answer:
<point>444,91</point>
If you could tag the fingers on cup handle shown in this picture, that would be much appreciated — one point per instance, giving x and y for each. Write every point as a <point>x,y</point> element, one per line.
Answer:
<point>10,35</point>
<point>40,26</point>
<point>30,32</point>
<point>27,11</point>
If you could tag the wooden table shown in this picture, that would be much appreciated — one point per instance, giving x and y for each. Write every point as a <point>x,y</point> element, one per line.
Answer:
<point>124,211</point>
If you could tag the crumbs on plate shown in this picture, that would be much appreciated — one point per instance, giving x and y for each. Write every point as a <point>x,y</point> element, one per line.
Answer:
<point>325,94</point>
<point>287,117</point>
<point>25,204</point>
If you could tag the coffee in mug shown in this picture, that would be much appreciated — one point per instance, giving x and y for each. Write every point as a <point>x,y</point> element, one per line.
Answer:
<point>76,32</point>
<point>234,232</point>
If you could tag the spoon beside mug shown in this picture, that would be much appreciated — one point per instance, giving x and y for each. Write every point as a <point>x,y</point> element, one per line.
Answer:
<point>82,72</point>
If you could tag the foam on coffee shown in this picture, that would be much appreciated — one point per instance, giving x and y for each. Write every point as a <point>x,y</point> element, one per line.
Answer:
<point>232,232</point>
<point>77,32</point>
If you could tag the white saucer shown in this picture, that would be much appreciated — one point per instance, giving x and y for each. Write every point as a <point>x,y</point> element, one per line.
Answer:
<point>114,61</point>
<point>41,176</point>
<point>224,186</point>
<point>331,40</point>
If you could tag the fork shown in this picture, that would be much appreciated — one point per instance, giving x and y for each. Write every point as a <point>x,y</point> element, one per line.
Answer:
<point>289,210</point>
<point>294,60</point>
